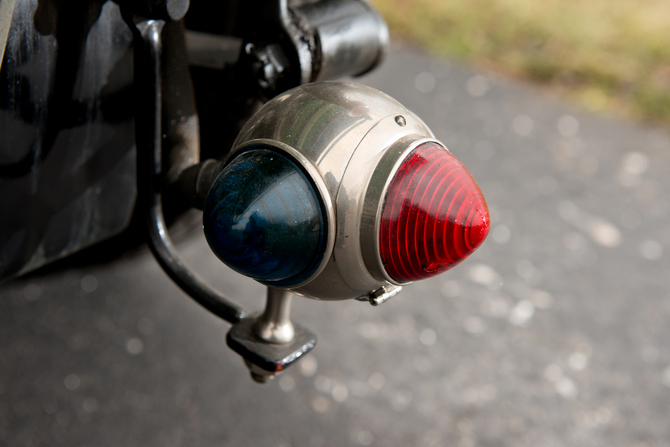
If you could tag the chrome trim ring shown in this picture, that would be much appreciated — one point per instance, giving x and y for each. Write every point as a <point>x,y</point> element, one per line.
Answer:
<point>375,198</point>
<point>351,195</point>
<point>321,187</point>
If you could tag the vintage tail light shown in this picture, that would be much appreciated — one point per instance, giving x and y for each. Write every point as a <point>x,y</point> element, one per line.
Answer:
<point>433,215</point>
<point>335,190</point>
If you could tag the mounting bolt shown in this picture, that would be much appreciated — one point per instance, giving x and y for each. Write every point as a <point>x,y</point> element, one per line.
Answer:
<point>381,295</point>
<point>269,64</point>
<point>270,343</point>
<point>259,375</point>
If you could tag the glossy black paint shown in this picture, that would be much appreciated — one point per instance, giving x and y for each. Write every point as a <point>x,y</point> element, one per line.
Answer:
<point>67,154</point>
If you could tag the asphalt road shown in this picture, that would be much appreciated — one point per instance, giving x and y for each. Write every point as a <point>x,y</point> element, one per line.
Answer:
<point>555,333</point>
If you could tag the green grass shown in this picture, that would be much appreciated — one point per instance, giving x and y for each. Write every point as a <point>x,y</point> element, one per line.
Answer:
<point>608,55</point>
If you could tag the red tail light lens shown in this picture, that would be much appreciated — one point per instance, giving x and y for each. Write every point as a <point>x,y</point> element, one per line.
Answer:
<point>433,217</point>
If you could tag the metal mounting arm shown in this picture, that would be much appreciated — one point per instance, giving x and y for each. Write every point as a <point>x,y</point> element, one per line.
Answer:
<point>148,135</point>
<point>268,343</point>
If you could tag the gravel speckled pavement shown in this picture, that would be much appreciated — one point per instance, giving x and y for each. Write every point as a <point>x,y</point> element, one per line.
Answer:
<point>555,333</point>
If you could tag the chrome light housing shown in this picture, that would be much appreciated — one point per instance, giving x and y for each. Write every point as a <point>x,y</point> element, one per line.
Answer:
<point>315,167</point>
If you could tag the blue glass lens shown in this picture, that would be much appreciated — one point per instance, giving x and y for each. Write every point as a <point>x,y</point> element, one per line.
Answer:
<point>263,218</point>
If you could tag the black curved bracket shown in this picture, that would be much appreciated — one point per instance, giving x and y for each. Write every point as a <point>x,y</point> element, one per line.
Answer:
<point>263,358</point>
<point>148,136</point>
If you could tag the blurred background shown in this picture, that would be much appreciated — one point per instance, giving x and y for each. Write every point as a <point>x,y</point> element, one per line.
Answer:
<point>610,57</point>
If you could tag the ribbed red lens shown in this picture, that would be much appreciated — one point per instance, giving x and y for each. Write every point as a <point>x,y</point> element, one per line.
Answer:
<point>434,215</point>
